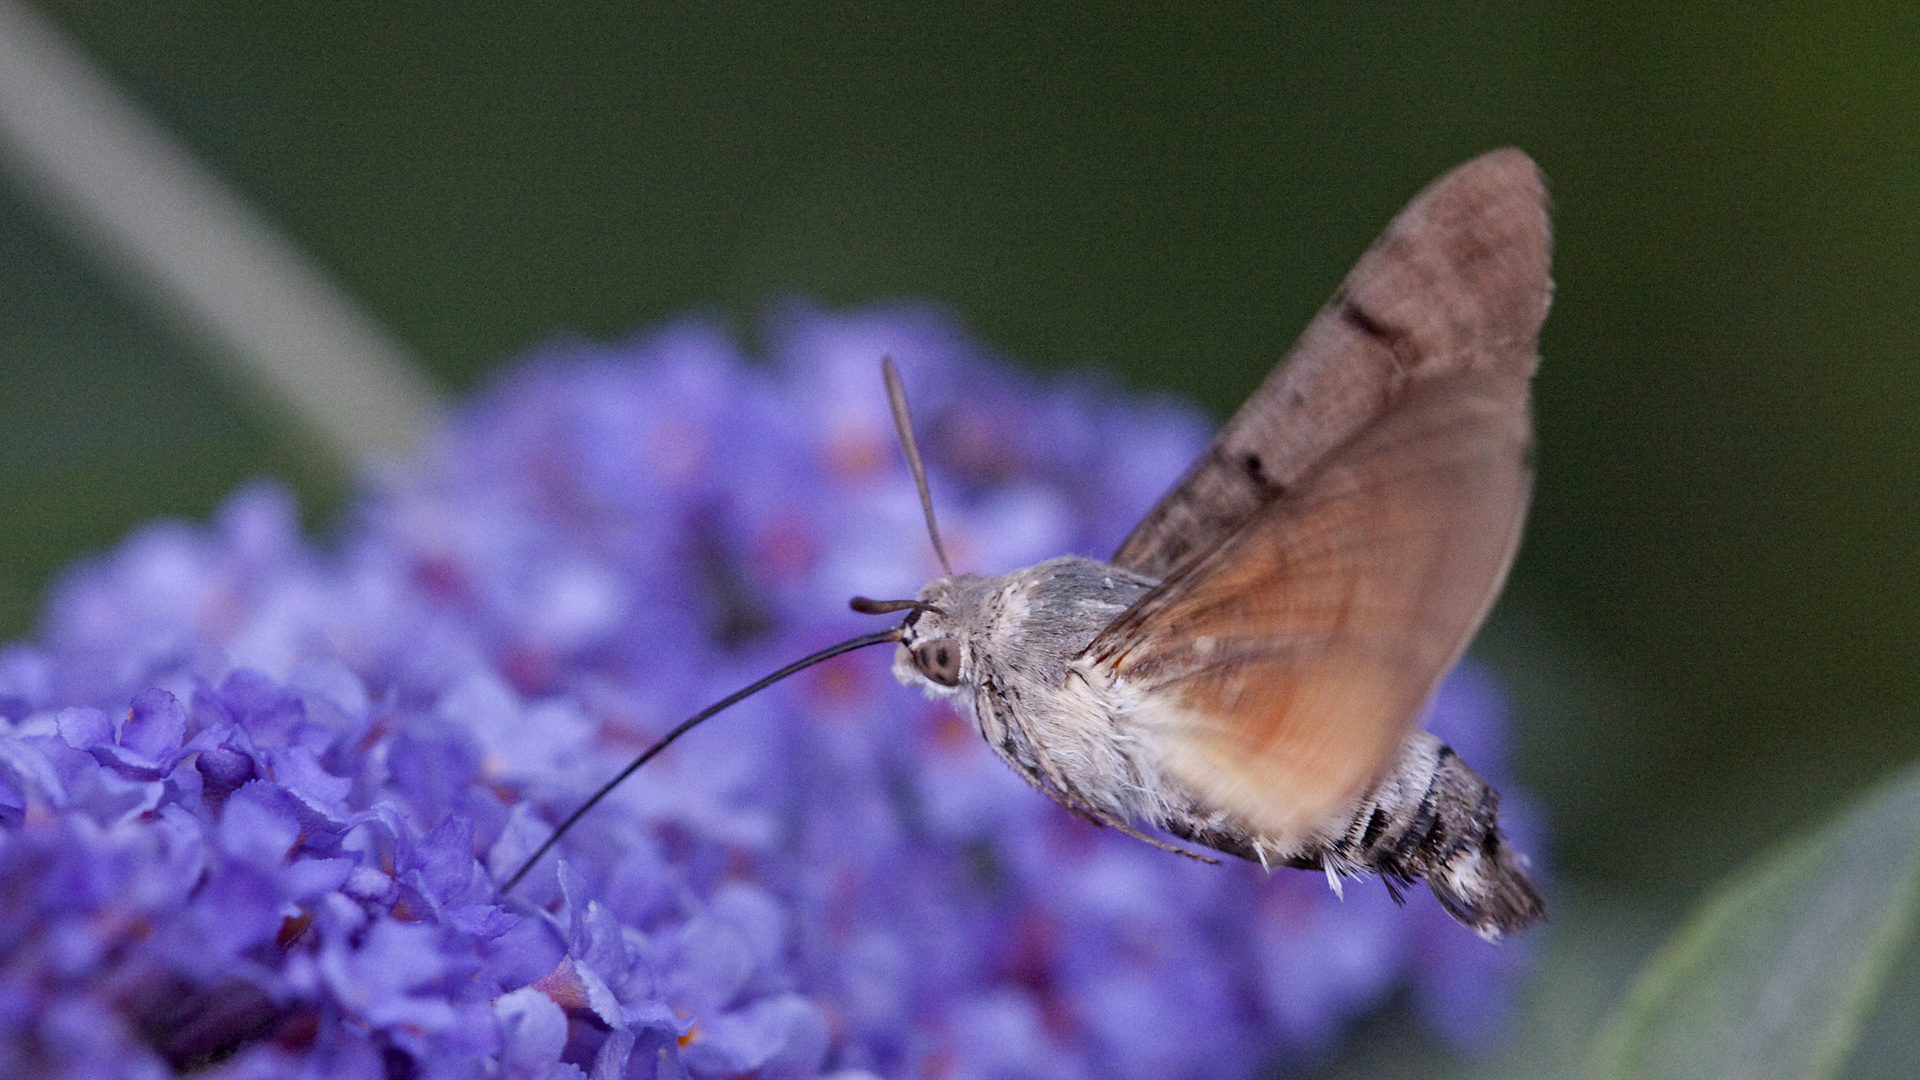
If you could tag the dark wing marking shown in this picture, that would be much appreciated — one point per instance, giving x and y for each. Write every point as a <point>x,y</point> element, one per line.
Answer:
<point>1457,281</point>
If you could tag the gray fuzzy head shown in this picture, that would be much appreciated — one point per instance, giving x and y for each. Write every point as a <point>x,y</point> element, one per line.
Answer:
<point>1015,632</point>
<point>943,647</point>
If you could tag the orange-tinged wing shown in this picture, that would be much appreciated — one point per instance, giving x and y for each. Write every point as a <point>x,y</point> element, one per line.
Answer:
<point>1309,611</point>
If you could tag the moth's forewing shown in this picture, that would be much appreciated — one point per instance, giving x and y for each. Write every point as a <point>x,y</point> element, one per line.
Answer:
<point>1330,557</point>
<point>1279,671</point>
<point>1458,280</point>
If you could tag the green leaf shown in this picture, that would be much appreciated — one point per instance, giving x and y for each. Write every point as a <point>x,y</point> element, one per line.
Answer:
<point>1773,974</point>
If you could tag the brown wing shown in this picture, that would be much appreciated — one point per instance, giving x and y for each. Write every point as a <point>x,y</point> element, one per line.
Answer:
<point>1282,660</point>
<point>1457,281</point>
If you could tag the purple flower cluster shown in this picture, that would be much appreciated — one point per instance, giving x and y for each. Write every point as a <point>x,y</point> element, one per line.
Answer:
<point>256,795</point>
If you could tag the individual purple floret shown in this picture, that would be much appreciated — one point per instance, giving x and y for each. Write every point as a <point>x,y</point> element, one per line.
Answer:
<point>255,796</point>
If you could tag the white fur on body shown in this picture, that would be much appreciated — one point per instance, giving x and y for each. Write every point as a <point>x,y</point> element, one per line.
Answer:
<point>1059,721</point>
<point>1093,744</point>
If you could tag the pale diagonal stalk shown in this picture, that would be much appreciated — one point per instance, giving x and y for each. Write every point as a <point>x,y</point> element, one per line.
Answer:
<point>182,239</point>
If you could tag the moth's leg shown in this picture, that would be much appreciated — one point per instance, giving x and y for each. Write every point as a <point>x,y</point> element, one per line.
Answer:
<point>1082,810</point>
<point>1161,844</point>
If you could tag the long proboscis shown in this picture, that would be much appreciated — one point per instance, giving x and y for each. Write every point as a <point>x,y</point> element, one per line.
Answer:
<point>877,638</point>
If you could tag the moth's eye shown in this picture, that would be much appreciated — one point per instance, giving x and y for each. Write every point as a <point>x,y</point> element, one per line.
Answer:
<point>939,660</point>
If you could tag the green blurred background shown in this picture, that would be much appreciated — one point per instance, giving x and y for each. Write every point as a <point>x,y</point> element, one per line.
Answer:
<point>1713,625</point>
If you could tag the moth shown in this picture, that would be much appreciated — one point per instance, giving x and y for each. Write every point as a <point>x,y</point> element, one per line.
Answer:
<point>1246,672</point>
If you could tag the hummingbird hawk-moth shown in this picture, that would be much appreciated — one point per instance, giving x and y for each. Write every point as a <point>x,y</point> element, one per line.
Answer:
<point>1246,672</point>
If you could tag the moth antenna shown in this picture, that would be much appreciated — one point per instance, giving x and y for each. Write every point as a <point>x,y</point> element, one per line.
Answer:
<point>828,653</point>
<point>887,607</point>
<point>897,398</point>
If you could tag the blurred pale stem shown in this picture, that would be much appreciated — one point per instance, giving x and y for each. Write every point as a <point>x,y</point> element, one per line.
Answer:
<point>184,241</point>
